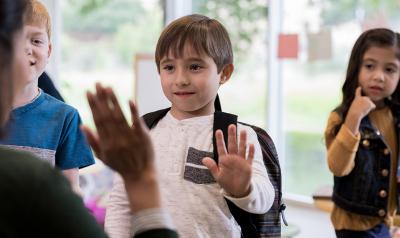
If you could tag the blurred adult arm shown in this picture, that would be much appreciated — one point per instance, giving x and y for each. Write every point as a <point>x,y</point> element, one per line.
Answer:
<point>128,150</point>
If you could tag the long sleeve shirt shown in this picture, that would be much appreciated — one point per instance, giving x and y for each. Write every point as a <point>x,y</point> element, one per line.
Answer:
<point>190,194</point>
<point>341,155</point>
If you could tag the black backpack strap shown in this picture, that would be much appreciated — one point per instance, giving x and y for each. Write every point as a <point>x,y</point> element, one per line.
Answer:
<point>221,122</point>
<point>151,119</point>
<point>217,104</point>
<point>244,219</point>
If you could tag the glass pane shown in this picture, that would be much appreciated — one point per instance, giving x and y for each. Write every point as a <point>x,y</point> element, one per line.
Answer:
<point>99,41</point>
<point>246,22</point>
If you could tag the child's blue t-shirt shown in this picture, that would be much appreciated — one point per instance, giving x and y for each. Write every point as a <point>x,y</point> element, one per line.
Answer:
<point>49,129</point>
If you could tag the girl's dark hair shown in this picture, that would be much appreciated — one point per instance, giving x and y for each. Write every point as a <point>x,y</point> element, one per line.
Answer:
<point>379,37</point>
<point>11,21</point>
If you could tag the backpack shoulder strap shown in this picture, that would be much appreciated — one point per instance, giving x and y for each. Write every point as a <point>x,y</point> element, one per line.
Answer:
<point>151,119</point>
<point>271,162</point>
<point>264,139</point>
<point>221,122</point>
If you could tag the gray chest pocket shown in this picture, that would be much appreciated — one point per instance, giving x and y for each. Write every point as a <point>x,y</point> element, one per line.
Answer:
<point>195,171</point>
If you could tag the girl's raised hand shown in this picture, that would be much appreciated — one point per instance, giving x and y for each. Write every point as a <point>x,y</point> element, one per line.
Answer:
<point>359,108</point>
<point>361,105</point>
<point>233,171</point>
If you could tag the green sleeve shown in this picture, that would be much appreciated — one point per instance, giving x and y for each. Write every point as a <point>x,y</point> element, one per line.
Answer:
<point>37,201</point>
<point>157,233</point>
<point>57,211</point>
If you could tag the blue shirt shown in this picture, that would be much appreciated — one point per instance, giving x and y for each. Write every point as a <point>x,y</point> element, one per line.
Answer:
<point>49,129</point>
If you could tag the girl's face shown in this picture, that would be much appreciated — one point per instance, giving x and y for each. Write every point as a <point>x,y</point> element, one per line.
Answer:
<point>379,73</point>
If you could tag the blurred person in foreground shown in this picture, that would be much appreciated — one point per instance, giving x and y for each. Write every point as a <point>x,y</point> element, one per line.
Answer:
<point>37,200</point>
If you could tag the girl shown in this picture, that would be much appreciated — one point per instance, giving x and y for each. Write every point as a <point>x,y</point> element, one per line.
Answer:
<point>362,138</point>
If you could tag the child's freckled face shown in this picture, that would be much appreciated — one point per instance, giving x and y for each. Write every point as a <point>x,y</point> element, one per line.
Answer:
<point>190,83</point>
<point>38,50</point>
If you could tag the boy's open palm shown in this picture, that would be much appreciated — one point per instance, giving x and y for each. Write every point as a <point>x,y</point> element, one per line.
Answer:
<point>126,149</point>
<point>233,172</point>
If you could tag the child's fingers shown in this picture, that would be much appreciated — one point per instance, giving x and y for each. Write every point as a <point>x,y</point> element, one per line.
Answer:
<point>358,92</point>
<point>250,156</point>
<point>242,144</point>
<point>212,166</point>
<point>219,137</point>
<point>92,139</point>
<point>232,140</point>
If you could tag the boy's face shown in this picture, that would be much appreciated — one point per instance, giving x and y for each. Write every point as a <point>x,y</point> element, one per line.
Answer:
<point>190,83</point>
<point>38,49</point>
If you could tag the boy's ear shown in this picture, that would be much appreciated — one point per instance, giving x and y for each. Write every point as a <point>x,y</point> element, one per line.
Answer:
<point>50,50</point>
<point>226,73</point>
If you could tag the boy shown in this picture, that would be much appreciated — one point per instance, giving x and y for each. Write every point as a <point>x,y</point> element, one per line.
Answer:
<point>40,123</point>
<point>194,57</point>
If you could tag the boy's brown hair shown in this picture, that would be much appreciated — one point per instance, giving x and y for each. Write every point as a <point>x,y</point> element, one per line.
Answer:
<point>38,15</point>
<point>205,35</point>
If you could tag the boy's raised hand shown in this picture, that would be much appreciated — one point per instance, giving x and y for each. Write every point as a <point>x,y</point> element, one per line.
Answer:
<point>126,149</point>
<point>233,171</point>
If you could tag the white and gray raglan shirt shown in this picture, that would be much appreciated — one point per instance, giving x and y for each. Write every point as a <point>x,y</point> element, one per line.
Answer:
<point>189,192</point>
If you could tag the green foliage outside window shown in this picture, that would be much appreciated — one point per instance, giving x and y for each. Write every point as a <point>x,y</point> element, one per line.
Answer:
<point>240,17</point>
<point>341,11</point>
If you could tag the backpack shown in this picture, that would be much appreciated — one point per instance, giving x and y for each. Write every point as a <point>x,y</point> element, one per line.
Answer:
<point>252,225</point>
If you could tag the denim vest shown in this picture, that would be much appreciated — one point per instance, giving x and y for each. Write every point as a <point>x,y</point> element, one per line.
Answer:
<point>365,190</point>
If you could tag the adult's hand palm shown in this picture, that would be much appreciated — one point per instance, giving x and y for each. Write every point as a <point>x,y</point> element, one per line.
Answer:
<point>126,149</point>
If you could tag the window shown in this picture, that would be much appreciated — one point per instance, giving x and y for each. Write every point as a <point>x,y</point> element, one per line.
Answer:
<point>99,41</point>
<point>246,22</point>
<point>99,45</point>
